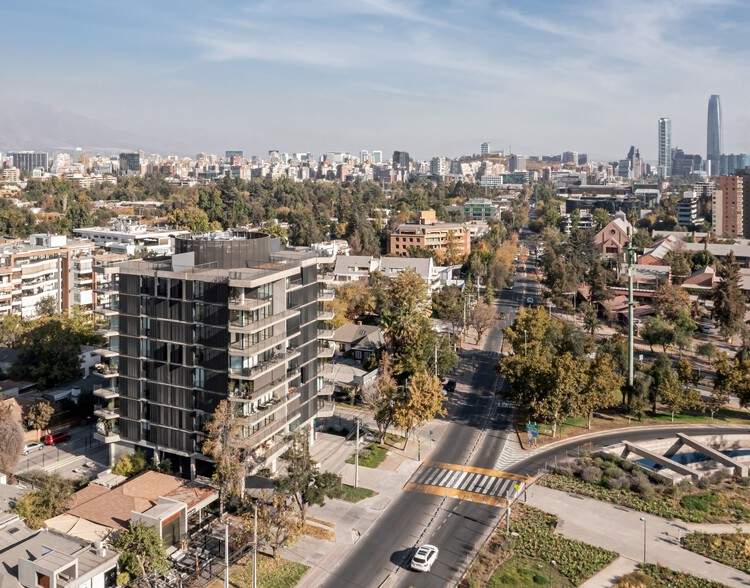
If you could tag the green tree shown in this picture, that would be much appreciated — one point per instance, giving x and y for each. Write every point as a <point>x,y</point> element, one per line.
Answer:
<point>12,328</point>
<point>671,301</point>
<point>141,550</point>
<point>590,319</point>
<point>381,398</point>
<point>303,481</point>
<point>279,523</point>
<point>729,302</point>
<point>51,496</point>
<point>130,464</point>
<point>39,415</point>
<point>191,218</point>
<point>448,304</point>
<point>677,391</point>
<point>600,218</point>
<point>665,379</point>
<point>222,434</point>
<point>602,386</point>
<point>482,318</point>
<point>11,435</point>
<point>564,384</point>
<point>657,331</point>
<point>723,385</point>
<point>596,278</point>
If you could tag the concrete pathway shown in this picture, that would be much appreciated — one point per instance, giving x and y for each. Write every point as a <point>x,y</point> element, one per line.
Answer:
<point>609,575</point>
<point>622,530</point>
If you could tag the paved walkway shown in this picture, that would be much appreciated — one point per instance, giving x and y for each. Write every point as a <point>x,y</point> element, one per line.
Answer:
<point>621,530</point>
<point>609,575</point>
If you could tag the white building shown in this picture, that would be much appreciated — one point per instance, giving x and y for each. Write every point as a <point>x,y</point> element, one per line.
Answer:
<point>124,236</point>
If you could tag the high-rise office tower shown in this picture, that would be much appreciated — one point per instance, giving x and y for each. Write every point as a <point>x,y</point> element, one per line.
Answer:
<point>401,159</point>
<point>130,164</point>
<point>665,147</point>
<point>231,316</point>
<point>28,161</point>
<point>714,134</point>
<point>377,156</point>
<point>484,148</point>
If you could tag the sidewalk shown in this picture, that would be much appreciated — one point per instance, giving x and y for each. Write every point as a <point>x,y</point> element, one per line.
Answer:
<point>621,530</point>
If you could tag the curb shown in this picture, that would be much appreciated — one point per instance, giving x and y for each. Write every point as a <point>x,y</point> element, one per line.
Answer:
<point>596,434</point>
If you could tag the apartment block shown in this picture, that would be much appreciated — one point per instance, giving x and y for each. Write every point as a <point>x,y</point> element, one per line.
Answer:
<point>45,266</point>
<point>430,234</point>
<point>230,316</point>
<point>728,203</point>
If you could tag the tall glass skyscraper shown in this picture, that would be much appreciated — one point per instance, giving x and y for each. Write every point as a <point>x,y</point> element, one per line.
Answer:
<point>665,147</point>
<point>713,133</point>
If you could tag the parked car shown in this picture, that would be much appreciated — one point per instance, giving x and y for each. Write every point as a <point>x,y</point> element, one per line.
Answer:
<point>56,438</point>
<point>31,447</point>
<point>423,558</point>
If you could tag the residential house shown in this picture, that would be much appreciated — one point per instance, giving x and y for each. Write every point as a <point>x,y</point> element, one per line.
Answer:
<point>613,238</point>
<point>358,341</point>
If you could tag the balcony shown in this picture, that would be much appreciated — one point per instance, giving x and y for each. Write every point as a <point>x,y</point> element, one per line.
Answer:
<point>241,326</point>
<point>326,295</point>
<point>246,392</point>
<point>241,349</point>
<point>105,352</point>
<point>246,303</point>
<point>326,334</point>
<point>326,390</point>
<point>106,432</point>
<point>105,370</point>
<point>106,393</point>
<point>326,315</point>
<point>113,309</point>
<point>264,411</point>
<point>268,430</point>
<point>326,351</point>
<point>326,408</point>
<point>265,367</point>
<point>106,413</point>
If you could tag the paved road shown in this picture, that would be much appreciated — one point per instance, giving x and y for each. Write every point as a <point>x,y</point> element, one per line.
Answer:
<point>68,458</point>
<point>475,436</point>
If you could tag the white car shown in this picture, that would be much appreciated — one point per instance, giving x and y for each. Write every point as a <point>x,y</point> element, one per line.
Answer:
<point>423,558</point>
<point>33,446</point>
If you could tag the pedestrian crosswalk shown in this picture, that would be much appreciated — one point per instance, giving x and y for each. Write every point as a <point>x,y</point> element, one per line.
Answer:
<point>465,482</point>
<point>512,452</point>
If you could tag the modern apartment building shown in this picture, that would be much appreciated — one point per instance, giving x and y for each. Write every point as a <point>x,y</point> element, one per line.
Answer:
<point>728,203</point>
<point>45,266</point>
<point>230,316</point>
<point>126,236</point>
<point>431,235</point>
<point>665,147</point>
<point>481,209</point>
<point>130,164</point>
<point>687,210</point>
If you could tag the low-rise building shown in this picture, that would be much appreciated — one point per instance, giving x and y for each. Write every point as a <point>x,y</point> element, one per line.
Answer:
<point>481,209</point>
<point>431,235</point>
<point>613,238</point>
<point>125,236</point>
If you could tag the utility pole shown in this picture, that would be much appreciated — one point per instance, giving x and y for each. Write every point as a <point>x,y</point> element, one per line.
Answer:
<point>356,457</point>
<point>630,252</point>
<point>436,357</point>
<point>255,544</point>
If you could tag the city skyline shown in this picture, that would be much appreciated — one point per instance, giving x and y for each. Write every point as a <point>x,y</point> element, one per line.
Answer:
<point>258,76</point>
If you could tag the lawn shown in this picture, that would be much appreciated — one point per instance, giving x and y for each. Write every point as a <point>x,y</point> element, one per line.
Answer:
<point>715,500</point>
<point>529,554</point>
<point>352,494</point>
<point>272,573</point>
<point>371,456</point>
<point>732,549</point>
<point>520,572</point>
<point>654,576</point>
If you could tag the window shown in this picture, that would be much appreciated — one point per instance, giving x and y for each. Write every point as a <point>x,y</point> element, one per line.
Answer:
<point>175,289</point>
<point>161,287</point>
<point>42,580</point>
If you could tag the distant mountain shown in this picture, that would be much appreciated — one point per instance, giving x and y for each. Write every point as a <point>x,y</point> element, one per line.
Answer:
<point>32,125</point>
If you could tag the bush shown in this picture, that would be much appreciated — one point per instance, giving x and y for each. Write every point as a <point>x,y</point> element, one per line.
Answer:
<point>591,474</point>
<point>130,465</point>
<point>613,483</point>
<point>51,497</point>
<point>700,502</point>
<point>643,487</point>
<point>732,549</point>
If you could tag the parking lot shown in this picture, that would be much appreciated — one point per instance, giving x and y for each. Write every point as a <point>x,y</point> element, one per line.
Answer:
<point>80,456</point>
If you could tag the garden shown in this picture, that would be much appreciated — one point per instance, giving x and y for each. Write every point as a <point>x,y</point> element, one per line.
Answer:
<point>655,576</point>
<point>714,499</point>
<point>535,555</point>
<point>732,549</point>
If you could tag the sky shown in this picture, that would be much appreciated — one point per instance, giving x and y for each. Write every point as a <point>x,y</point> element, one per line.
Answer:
<point>433,77</point>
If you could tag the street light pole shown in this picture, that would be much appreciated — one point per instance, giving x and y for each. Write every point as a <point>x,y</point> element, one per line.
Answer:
<point>643,520</point>
<point>356,457</point>
<point>255,544</point>
<point>226,554</point>
<point>631,363</point>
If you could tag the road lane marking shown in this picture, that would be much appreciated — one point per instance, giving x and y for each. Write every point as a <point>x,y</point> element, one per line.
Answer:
<point>454,493</point>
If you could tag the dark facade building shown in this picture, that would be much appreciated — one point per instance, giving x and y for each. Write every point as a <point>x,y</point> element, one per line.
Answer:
<point>28,161</point>
<point>685,164</point>
<point>130,164</point>
<point>231,316</point>
<point>401,159</point>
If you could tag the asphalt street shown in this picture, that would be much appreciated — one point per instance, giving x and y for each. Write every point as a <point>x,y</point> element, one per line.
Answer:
<point>475,436</point>
<point>80,456</point>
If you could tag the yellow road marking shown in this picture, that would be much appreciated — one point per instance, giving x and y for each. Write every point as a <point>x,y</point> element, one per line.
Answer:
<point>475,470</point>
<point>454,493</point>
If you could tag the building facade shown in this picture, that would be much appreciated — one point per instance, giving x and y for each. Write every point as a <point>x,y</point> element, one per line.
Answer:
<point>28,161</point>
<point>728,207</point>
<point>431,235</point>
<point>231,316</point>
<point>714,134</point>
<point>665,147</point>
<point>481,209</point>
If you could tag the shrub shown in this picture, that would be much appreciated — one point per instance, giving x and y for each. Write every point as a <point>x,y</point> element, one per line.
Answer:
<point>612,471</point>
<point>130,465</point>
<point>643,487</point>
<point>700,502</point>
<point>591,474</point>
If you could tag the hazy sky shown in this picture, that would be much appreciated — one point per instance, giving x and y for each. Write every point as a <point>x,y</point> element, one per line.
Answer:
<point>431,77</point>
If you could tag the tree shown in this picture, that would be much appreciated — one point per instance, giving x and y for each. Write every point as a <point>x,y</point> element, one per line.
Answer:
<point>11,435</point>
<point>51,496</point>
<point>676,388</point>
<point>279,523</point>
<point>381,398</point>
<point>220,445</point>
<point>448,305</point>
<point>39,415</point>
<point>482,318</point>
<point>602,386</point>
<point>130,464</point>
<point>46,306</point>
<point>422,402</point>
<point>670,301</point>
<point>729,302</point>
<point>596,278</point>
<point>191,218</point>
<point>590,319</point>
<point>657,331</point>
<point>355,298</point>
<point>12,328</point>
<point>683,327</point>
<point>723,385</point>
<point>303,481</point>
<point>666,384</point>
<point>564,385</point>
<point>141,550</point>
